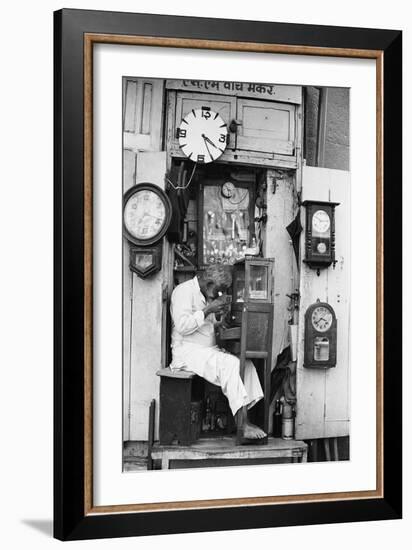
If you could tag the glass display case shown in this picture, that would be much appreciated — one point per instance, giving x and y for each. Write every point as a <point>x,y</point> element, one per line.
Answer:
<point>226,213</point>
<point>250,331</point>
<point>252,283</point>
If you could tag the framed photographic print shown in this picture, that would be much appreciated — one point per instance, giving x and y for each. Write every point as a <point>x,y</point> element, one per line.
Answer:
<point>227,274</point>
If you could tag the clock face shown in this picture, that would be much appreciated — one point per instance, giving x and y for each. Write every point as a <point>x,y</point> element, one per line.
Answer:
<point>321,319</point>
<point>144,214</point>
<point>320,221</point>
<point>202,135</point>
<point>228,189</point>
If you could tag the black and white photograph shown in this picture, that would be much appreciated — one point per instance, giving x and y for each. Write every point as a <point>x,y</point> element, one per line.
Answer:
<point>204,344</point>
<point>236,273</point>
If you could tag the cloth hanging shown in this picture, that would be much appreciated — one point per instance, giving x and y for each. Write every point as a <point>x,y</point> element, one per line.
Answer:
<point>295,229</point>
<point>281,378</point>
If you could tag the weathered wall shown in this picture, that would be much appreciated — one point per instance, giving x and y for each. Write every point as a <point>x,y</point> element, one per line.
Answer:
<point>311,124</point>
<point>143,326</point>
<point>335,139</point>
<point>323,394</point>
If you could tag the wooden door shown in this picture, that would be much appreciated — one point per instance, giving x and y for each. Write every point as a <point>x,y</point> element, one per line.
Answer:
<point>323,395</point>
<point>143,160</point>
<point>265,126</point>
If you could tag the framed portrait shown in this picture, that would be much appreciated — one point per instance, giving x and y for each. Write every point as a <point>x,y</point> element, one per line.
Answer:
<point>227,274</point>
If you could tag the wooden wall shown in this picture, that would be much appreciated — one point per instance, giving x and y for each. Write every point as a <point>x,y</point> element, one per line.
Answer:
<point>323,400</point>
<point>281,210</point>
<point>143,301</point>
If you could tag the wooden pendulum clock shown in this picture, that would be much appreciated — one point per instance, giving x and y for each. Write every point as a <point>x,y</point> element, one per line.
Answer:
<point>147,213</point>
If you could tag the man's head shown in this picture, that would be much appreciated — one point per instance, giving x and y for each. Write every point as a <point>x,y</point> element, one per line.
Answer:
<point>214,279</point>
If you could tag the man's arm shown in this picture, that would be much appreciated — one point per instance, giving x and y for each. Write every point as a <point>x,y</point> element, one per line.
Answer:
<point>185,320</point>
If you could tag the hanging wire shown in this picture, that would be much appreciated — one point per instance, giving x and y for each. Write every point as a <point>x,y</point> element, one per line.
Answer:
<point>239,201</point>
<point>176,187</point>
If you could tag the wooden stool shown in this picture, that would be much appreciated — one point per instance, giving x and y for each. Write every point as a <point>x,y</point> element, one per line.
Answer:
<point>180,414</point>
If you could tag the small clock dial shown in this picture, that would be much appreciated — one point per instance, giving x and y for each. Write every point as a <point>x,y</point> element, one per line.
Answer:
<point>321,319</point>
<point>228,189</point>
<point>144,214</point>
<point>202,135</point>
<point>320,221</point>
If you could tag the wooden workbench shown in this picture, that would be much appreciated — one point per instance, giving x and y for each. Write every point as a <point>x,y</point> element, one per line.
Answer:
<point>225,451</point>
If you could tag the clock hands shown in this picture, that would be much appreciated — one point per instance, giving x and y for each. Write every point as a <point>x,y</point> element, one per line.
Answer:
<point>207,140</point>
<point>150,215</point>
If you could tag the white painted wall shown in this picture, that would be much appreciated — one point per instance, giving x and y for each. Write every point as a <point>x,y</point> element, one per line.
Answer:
<point>143,307</point>
<point>323,395</point>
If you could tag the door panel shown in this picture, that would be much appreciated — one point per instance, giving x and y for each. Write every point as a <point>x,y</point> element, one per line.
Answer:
<point>142,131</point>
<point>142,114</point>
<point>225,106</point>
<point>147,313</point>
<point>266,126</point>
<point>323,396</point>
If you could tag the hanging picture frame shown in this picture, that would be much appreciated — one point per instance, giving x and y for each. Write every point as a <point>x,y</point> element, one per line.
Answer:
<point>88,502</point>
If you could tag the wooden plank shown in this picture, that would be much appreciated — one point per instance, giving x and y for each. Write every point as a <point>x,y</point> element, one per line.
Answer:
<point>338,379</point>
<point>226,448</point>
<point>129,169</point>
<point>134,142</point>
<point>183,374</point>
<point>247,158</point>
<point>288,94</point>
<point>151,434</point>
<point>129,175</point>
<point>130,108</point>
<point>277,244</point>
<point>147,114</point>
<point>227,444</point>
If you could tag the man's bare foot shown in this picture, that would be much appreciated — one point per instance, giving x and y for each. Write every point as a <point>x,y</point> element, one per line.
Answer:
<point>250,431</point>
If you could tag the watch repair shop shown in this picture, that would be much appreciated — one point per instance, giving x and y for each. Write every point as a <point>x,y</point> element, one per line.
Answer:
<point>253,177</point>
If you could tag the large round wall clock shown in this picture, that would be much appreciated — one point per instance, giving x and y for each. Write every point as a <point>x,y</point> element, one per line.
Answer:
<point>147,212</point>
<point>202,135</point>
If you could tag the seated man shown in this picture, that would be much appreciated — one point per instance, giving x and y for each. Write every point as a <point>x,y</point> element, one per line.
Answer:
<point>193,307</point>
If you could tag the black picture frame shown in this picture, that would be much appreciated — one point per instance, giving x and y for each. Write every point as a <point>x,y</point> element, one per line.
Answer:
<point>72,518</point>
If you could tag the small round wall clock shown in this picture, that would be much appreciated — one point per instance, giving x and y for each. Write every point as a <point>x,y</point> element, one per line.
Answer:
<point>320,336</point>
<point>202,135</point>
<point>147,212</point>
